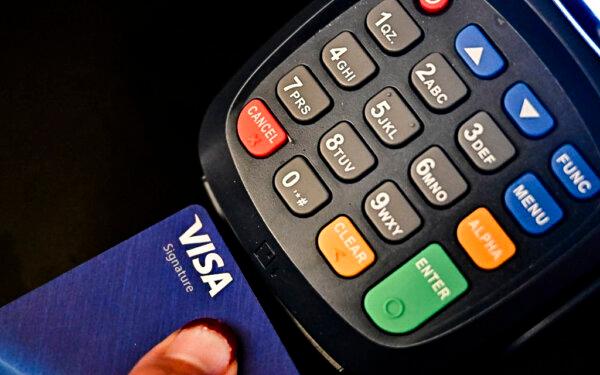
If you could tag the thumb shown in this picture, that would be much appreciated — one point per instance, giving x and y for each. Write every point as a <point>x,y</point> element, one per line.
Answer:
<point>202,347</point>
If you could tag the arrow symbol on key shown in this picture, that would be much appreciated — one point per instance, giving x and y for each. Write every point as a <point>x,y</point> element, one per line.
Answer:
<point>528,110</point>
<point>338,254</point>
<point>475,53</point>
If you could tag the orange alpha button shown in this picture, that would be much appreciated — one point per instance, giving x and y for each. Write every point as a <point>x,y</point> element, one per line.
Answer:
<point>259,130</point>
<point>344,247</point>
<point>484,239</point>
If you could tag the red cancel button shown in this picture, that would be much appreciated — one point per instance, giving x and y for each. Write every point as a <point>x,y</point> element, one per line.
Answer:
<point>259,130</point>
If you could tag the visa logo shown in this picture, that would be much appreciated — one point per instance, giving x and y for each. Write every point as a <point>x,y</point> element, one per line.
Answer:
<point>206,266</point>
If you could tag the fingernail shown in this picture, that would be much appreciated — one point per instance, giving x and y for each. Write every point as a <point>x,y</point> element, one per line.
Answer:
<point>200,345</point>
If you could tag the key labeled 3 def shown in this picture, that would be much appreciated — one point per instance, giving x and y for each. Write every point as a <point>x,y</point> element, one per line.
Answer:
<point>484,143</point>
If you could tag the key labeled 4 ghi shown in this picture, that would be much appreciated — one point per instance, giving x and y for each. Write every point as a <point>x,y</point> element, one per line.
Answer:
<point>347,61</point>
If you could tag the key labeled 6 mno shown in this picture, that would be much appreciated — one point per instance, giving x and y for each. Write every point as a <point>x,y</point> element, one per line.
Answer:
<point>437,178</point>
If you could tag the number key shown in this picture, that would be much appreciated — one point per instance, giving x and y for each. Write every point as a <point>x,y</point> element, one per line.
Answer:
<point>302,95</point>
<point>437,83</point>
<point>300,187</point>
<point>437,178</point>
<point>347,61</point>
<point>391,213</point>
<point>346,153</point>
<point>392,27</point>
<point>484,143</point>
<point>391,119</point>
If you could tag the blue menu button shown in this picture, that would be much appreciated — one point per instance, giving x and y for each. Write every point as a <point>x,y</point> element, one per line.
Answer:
<point>531,204</point>
<point>527,111</point>
<point>478,53</point>
<point>575,173</point>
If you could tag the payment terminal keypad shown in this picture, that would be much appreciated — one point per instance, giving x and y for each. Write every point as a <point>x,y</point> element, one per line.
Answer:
<point>415,163</point>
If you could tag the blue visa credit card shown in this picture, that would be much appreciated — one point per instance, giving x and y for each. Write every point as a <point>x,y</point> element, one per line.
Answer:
<point>103,316</point>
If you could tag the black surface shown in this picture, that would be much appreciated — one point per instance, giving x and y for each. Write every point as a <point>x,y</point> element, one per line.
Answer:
<point>100,106</point>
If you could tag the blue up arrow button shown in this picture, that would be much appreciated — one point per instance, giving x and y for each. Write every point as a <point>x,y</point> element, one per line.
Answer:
<point>478,53</point>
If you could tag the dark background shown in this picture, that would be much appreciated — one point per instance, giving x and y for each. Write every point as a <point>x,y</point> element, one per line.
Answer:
<point>100,106</point>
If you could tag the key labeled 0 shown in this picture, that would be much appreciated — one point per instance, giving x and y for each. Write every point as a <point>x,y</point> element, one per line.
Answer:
<point>300,188</point>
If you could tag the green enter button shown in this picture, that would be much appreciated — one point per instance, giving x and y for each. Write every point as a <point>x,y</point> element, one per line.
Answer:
<point>414,292</point>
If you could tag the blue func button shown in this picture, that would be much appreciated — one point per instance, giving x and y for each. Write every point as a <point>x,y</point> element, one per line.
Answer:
<point>527,111</point>
<point>478,53</point>
<point>531,204</point>
<point>575,173</point>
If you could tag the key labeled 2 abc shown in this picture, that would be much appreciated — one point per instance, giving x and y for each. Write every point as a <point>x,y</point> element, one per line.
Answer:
<point>437,83</point>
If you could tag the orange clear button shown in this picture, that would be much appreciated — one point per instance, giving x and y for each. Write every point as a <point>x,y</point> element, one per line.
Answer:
<point>344,247</point>
<point>484,239</point>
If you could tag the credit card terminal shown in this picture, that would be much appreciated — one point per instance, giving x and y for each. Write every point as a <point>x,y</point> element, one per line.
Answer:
<point>416,180</point>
